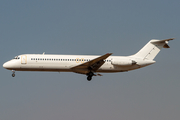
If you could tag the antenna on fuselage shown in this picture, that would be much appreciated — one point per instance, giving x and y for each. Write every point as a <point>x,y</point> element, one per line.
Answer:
<point>43,53</point>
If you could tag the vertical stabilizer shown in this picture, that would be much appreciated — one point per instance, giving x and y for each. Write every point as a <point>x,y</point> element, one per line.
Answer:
<point>152,48</point>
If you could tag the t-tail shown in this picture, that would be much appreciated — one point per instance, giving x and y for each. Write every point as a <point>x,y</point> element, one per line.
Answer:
<point>152,48</point>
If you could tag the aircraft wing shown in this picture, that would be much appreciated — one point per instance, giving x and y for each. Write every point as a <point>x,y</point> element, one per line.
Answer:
<point>92,65</point>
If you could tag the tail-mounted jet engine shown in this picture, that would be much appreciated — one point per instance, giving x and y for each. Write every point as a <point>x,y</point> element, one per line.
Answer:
<point>123,62</point>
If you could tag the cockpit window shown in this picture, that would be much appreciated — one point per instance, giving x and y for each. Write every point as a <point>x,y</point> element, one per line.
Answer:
<point>16,57</point>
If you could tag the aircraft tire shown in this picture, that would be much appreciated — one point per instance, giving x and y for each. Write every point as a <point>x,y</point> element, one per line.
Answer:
<point>89,78</point>
<point>13,75</point>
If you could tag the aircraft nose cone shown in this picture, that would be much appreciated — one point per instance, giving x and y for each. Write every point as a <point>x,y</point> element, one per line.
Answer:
<point>6,65</point>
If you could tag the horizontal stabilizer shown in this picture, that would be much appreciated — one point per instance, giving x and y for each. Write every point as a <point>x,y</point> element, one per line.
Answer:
<point>163,41</point>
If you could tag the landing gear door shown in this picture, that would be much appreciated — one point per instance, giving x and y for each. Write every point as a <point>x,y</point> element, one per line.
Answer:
<point>23,59</point>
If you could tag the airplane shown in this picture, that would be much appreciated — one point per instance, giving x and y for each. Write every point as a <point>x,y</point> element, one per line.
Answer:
<point>89,65</point>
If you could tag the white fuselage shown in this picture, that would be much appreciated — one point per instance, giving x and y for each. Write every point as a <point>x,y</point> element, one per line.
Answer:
<point>64,63</point>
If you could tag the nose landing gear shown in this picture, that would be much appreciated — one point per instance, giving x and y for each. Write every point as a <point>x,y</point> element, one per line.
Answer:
<point>13,73</point>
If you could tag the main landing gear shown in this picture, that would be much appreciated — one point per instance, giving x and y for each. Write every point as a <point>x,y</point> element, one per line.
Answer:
<point>89,76</point>
<point>13,73</point>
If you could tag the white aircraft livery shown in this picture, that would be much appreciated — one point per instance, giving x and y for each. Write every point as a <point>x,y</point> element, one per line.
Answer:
<point>87,64</point>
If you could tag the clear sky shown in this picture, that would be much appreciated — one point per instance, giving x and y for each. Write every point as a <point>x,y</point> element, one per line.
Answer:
<point>90,27</point>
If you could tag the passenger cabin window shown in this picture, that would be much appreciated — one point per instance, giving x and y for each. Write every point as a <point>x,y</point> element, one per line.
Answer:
<point>53,59</point>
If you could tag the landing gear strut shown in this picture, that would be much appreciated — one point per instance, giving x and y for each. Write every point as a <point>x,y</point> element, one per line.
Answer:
<point>90,74</point>
<point>13,73</point>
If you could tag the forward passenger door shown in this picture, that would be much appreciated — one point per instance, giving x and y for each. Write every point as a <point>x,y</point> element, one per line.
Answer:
<point>23,59</point>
